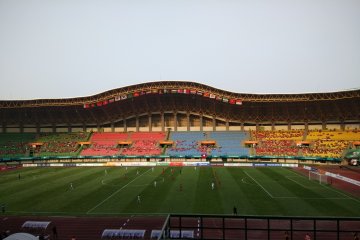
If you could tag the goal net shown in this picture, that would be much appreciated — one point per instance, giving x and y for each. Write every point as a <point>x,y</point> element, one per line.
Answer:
<point>321,178</point>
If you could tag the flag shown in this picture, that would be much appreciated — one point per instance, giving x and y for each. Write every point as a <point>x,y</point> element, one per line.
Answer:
<point>117,98</point>
<point>173,91</point>
<point>193,91</point>
<point>99,104</point>
<point>199,93</point>
<point>232,101</point>
<point>86,105</point>
<point>238,102</point>
<point>225,100</point>
<point>111,100</point>
<point>206,94</point>
<point>123,97</point>
<point>212,95</point>
<point>186,91</point>
<point>219,98</point>
<point>136,94</point>
<point>180,91</point>
<point>105,102</point>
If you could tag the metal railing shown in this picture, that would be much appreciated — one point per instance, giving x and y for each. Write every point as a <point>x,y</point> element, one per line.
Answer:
<point>259,227</point>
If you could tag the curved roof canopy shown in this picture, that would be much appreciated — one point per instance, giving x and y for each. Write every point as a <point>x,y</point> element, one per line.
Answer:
<point>178,87</point>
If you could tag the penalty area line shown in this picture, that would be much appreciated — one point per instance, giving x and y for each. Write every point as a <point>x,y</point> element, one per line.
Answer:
<point>260,185</point>
<point>93,208</point>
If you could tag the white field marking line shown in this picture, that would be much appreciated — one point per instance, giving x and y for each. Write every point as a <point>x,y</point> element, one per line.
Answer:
<point>347,197</point>
<point>289,177</point>
<point>245,182</point>
<point>260,185</point>
<point>103,182</point>
<point>116,192</point>
<point>334,190</point>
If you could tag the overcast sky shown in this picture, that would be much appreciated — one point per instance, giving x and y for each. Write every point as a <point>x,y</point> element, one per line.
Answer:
<point>71,48</point>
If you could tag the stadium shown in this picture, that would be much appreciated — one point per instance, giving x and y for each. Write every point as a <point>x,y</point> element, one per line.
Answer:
<point>180,159</point>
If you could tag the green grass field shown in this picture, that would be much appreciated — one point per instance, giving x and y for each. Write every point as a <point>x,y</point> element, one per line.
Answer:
<point>254,191</point>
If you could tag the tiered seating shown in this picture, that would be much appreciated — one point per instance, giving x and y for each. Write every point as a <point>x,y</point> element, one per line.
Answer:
<point>104,144</point>
<point>229,143</point>
<point>277,143</point>
<point>329,143</point>
<point>60,144</point>
<point>144,143</point>
<point>187,143</point>
<point>15,144</point>
<point>277,148</point>
<point>291,134</point>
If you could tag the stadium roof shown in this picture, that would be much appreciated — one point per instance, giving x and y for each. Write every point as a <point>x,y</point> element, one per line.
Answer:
<point>160,87</point>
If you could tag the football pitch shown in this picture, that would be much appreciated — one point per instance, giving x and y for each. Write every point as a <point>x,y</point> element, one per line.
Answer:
<point>112,191</point>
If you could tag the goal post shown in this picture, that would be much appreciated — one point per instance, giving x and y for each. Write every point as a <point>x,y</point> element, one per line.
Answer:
<point>316,176</point>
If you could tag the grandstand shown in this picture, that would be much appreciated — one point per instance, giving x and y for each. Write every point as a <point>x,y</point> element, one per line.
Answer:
<point>104,144</point>
<point>15,144</point>
<point>144,144</point>
<point>278,143</point>
<point>229,143</point>
<point>187,144</point>
<point>60,144</point>
<point>185,113</point>
<point>103,152</point>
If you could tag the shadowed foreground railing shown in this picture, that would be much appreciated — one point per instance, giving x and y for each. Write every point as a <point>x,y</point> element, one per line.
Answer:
<point>258,227</point>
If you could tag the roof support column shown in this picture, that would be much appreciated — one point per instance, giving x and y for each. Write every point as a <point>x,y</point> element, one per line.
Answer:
<point>162,121</point>
<point>112,127</point>
<point>53,128</point>
<point>175,121</point>
<point>150,122</point>
<point>242,125</point>
<point>201,123</point>
<point>4,127</point>
<point>227,124</point>
<point>323,123</point>
<point>125,126</point>
<point>137,123</point>
<point>214,123</point>
<point>69,128</point>
<point>342,125</point>
<point>272,126</point>
<point>84,127</point>
<point>37,128</point>
<point>21,127</point>
<point>306,125</point>
<point>289,125</point>
<point>188,121</point>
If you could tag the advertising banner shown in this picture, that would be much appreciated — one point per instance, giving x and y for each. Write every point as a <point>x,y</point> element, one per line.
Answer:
<point>176,164</point>
<point>345,179</point>
<point>163,164</point>
<point>238,164</point>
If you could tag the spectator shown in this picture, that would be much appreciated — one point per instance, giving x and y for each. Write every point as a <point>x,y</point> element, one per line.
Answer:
<point>286,235</point>
<point>54,231</point>
<point>356,237</point>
